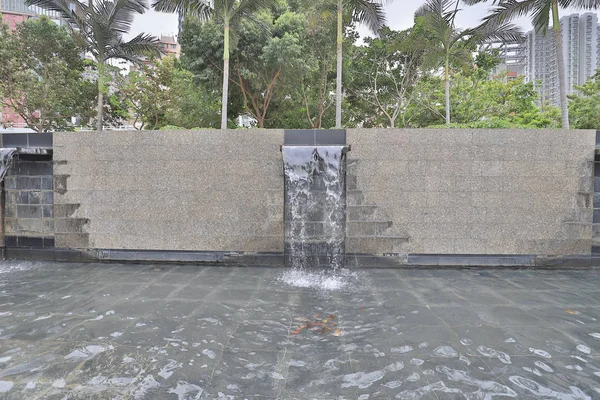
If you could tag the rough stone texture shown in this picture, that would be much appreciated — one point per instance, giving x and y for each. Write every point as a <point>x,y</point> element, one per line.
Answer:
<point>150,332</point>
<point>409,191</point>
<point>456,191</point>
<point>28,203</point>
<point>170,190</point>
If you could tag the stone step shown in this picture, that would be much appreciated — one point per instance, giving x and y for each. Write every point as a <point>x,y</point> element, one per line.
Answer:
<point>377,245</point>
<point>354,198</point>
<point>367,228</point>
<point>364,212</point>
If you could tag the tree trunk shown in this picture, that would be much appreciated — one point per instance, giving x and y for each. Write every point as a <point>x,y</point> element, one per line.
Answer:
<point>100,95</point>
<point>225,78</point>
<point>447,90</point>
<point>338,88</point>
<point>560,59</point>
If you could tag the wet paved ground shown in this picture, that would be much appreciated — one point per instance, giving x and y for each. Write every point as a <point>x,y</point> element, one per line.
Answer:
<point>71,331</point>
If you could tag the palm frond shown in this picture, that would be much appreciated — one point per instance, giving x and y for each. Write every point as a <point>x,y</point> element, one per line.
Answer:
<point>246,8</point>
<point>120,13</point>
<point>508,10</point>
<point>580,4</point>
<point>541,16</point>
<point>142,44</point>
<point>197,8</point>
<point>504,31</point>
<point>368,12</point>
<point>60,6</point>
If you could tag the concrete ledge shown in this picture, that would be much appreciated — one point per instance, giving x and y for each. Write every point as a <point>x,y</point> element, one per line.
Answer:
<point>276,259</point>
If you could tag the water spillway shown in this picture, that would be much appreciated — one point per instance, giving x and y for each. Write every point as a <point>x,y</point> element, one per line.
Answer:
<point>6,158</point>
<point>315,206</point>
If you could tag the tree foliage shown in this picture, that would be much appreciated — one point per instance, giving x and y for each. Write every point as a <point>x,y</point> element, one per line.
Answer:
<point>584,107</point>
<point>41,75</point>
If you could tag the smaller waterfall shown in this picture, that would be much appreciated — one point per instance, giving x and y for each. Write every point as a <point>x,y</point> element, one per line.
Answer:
<point>6,159</point>
<point>315,206</point>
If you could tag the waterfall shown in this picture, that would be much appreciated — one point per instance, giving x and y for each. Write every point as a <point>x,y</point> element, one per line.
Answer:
<point>6,158</point>
<point>315,206</point>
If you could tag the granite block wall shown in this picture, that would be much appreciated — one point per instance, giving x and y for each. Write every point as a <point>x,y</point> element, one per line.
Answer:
<point>408,191</point>
<point>28,202</point>
<point>169,190</point>
<point>456,191</point>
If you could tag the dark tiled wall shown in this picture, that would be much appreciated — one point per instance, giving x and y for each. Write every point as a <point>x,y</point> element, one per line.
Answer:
<point>29,200</point>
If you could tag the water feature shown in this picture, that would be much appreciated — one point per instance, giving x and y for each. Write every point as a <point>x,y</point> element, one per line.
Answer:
<point>6,159</point>
<point>315,206</point>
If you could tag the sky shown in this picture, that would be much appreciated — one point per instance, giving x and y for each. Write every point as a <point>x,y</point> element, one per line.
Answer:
<point>399,16</point>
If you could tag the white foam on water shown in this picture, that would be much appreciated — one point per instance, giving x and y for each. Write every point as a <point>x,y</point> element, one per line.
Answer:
<point>322,280</point>
<point>166,371</point>
<point>146,384</point>
<point>540,353</point>
<point>59,383</point>
<point>544,392</point>
<point>428,372</point>
<point>401,349</point>
<point>5,386</point>
<point>65,297</point>
<point>187,391</point>
<point>296,363</point>
<point>422,391</point>
<point>416,361</point>
<point>209,353</point>
<point>466,342</point>
<point>30,385</point>
<point>543,366</point>
<point>510,340</point>
<point>445,351</point>
<point>584,349</point>
<point>413,377</point>
<point>5,359</point>
<point>465,360</point>
<point>486,389</point>
<point>116,334</point>
<point>7,267</point>
<point>392,384</point>
<point>87,352</point>
<point>423,345</point>
<point>489,352</point>
<point>595,335</point>
<point>533,371</point>
<point>363,380</point>
<point>43,317</point>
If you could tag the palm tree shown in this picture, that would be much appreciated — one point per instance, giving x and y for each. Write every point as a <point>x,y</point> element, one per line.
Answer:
<point>230,11</point>
<point>541,10</point>
<point>449,45</point>
<point>100,26</point>
<point>368,12</point>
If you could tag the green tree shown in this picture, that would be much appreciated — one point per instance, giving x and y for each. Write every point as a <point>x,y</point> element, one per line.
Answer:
<point>479,102</point>
<point>368,12</point>
<point>41,74</point>
<point>541,11</point>
<point>231,13</point>
<point>449,45</point>
<point>264,56</point>
<point>383,75</point>
<point>100,26</point>
<point>584,107</point>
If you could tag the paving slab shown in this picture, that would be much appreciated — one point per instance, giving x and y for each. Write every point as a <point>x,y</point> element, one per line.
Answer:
<point>149,331</point>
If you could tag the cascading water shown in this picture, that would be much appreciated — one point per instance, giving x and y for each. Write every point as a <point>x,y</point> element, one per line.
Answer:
<point>315,206</point>
<point>6,158</point>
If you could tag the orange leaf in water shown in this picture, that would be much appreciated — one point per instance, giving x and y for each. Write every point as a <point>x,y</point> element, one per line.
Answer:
<point>331,317</point>
<point>337,332</point>
<point>362,309</point>
<point>570,312</point>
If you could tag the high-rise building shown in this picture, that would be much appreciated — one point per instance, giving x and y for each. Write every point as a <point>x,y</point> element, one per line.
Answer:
<point>581,47</point>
